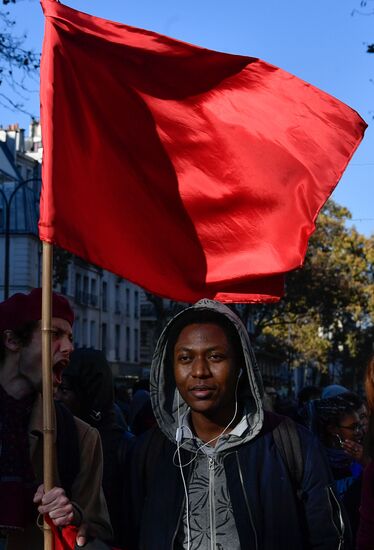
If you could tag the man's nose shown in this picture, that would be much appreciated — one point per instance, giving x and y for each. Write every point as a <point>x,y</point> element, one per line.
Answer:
<point>200,368</point>
<point>66,346</point>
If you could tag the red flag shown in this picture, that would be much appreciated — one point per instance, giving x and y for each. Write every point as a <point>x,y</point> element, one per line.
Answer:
<point>64,538</point>
<point>190,172</point>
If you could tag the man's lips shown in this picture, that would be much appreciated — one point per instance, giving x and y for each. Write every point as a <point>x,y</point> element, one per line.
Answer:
<point>202,391</point>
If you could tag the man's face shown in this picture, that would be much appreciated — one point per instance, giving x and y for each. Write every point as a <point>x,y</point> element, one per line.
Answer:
<point>31,354</point>
<point>204,369</point>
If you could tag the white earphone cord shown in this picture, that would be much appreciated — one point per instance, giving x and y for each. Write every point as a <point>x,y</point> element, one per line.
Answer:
<point>179,446</point>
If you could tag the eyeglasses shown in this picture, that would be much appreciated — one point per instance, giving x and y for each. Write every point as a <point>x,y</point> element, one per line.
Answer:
<point>353,428</point>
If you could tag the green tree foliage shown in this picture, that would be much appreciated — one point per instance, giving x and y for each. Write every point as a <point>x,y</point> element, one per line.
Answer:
<point>327,313</point>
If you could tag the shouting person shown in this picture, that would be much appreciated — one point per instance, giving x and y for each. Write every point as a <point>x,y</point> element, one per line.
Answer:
<point>77,498</point>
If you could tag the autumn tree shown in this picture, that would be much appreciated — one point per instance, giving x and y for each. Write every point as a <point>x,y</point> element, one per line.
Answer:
<point>327,312</point>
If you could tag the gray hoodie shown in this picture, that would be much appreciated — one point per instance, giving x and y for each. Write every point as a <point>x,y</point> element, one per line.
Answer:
<point>208,521</point>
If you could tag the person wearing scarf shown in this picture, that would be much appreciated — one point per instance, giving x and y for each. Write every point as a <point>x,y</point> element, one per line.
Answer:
<point>339,427</point>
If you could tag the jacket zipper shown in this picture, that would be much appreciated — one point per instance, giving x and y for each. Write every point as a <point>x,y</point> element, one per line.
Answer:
<point>212,507</point>
<point>246,501</point>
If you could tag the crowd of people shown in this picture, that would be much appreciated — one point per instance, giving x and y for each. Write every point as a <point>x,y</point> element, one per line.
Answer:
<point>197,457</point>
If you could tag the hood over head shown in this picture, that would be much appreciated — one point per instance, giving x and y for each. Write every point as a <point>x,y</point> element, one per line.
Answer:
<point>332,391</point>
<point>165,397</point>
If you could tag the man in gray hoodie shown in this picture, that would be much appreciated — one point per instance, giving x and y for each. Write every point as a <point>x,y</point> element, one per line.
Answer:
<point>213,476</point>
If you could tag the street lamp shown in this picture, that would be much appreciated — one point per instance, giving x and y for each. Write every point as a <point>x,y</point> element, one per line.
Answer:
<point>8,202</point>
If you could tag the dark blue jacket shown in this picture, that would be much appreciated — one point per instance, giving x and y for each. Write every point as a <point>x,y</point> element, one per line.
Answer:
<point>268,513</point>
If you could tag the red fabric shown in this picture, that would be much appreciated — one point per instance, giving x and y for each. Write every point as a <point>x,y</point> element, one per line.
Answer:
<point>64,539</point>
<point>190,172</point>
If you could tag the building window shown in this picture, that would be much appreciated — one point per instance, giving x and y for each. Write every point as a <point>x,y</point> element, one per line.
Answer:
<point>76,332</point>
<point>143,338</point>
<point>127,301</point>
<point>117,299</point>
<point>84,333</point>
<point>78,288</point>
<point>64,287</point>
<point>127,344</point>
<point>136,304</point>
<point>93,334</point>
<point>85,297</point>
<point>104,346</point>
<point>136,345</point>
<point>105,296</point>
<point>93,294</point>
<point>117,340</point>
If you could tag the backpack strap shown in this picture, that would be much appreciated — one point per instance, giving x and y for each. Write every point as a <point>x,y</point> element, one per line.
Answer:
<point>287,440</point>
<point>67,447</point>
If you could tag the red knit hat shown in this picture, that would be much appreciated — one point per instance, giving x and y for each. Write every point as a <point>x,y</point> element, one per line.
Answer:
<point>20,309</point>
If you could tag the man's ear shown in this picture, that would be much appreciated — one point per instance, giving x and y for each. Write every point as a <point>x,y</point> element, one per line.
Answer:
<point>11,341</point>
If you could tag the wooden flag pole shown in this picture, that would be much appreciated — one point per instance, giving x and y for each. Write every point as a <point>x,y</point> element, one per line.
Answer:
<point>48,411</point>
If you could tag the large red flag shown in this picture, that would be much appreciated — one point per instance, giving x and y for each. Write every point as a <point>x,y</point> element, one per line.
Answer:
<point>187,171</point>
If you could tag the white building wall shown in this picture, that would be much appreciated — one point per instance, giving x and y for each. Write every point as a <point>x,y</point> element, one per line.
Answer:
<point>24,257</point>
<point>107,310</point>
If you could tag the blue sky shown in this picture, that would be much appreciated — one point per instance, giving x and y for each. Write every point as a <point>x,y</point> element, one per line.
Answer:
<point>320,41</point>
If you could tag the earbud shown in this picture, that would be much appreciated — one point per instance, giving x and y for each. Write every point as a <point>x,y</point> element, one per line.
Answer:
<point>178,435</point>
<point>240,373</point>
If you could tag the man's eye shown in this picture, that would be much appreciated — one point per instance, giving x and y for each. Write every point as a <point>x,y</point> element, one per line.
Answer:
<point>184,358</point>
<point>216,356</point>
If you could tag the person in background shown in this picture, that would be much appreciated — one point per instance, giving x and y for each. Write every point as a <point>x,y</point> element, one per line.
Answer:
<point>122,399</point>
<point>87,390</point>
<point>305,412</point>
<point>307,394</point>
<point>341,432</point>
<point>363,413</point>
<point>365,535</point>
<point>270,397</point>
<point>77,498</point>
<point>141,417</point>
<point>332,391</point>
